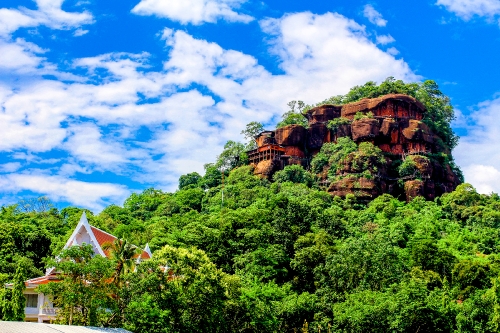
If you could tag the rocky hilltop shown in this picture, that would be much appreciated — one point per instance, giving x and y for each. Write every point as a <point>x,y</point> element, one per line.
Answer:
<point>367,148</point>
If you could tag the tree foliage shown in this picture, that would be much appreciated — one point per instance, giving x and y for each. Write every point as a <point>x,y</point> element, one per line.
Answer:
<point>294,116</point>
<point>284,256</point>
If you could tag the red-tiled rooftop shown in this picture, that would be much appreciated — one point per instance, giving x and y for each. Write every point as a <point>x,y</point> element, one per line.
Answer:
<point>102,236</point>
<point>41,280</point>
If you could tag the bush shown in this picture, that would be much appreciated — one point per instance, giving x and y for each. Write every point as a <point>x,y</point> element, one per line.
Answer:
<point>294,174</point>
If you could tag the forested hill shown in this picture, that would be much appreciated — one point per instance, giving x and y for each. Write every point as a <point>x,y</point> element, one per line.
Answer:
<point>281,256</point>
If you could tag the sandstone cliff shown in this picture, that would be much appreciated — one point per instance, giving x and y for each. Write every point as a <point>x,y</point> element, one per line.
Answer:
<point>399,155</point>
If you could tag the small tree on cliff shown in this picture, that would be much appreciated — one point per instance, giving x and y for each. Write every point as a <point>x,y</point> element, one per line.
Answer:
<point>250,132</point>
<point>232,156</point>
<point>294,116</point>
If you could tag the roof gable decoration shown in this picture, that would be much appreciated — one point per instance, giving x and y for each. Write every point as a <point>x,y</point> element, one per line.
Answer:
<point>148,250</point>
<point>83,234</point>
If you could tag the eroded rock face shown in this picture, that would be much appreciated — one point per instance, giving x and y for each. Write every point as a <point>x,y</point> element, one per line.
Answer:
<point>316,136</point>
<point>392,123</point>
<point>414,188</point>
<point>418,131</point>
<point>392,105</point>
<point>365,129</point>
<point>323,113</point>
<point>291,135</point>
<point>267,168</point>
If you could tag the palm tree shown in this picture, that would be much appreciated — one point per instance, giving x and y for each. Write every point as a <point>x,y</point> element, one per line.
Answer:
<point>123,253</point>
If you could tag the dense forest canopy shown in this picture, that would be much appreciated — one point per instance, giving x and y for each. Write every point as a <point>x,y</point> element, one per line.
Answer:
<point>253,255</point>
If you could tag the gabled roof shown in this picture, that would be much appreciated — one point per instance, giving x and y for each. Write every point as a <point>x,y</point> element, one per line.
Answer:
<point>83,228</point>
<point>97,237</point>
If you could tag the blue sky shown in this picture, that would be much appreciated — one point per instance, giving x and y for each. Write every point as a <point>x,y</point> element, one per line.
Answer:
<point>102,98</point>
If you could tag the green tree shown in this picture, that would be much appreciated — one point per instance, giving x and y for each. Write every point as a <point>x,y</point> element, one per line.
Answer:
<point>294,174</point>
<point>232,156</point>
<point>84,293</point>
<point>123,254</point>
<point>180,290</point>
<point>251,130</point>
<point>15,310</point>
<point>189,180</point>
<point>294,116</point>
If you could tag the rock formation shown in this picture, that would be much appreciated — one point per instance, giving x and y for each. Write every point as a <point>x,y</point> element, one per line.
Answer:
<point>414,162</point>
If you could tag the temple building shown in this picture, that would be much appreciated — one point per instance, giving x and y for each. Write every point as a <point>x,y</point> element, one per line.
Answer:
<point>38,307</point>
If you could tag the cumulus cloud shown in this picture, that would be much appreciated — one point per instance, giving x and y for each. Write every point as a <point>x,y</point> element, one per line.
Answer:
<point>385,39</point>
<point>151,126</point>
<point>374,16</point>
<point>80,32</point>
<point>9,167</point>
<point>92,195</point>
<point>468,9</point>
<point>19,55</point>
<point>392,51</point>
<point>193,11</point>
<point>477,153</point>
<point>49,13</point>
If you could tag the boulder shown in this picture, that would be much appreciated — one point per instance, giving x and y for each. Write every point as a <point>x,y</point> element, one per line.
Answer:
<point>265,138</point>
<point>385,106</point>
<point>342,130</point>
<point>323,113</point>
<point>316,136</point>
<point>291,135</point>
<point>364,129</point>
<point>294,151</point>
<point>423,165</point>
<point>418,131</point>
<point>267,168</point>
<point>388,126</point>
<point>414,188</point>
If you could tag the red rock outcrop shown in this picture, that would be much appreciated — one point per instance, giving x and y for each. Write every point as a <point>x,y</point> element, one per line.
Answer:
<point>365,129</point>
<point>392,123</point>
<point>291,135</point>
<point>323,113</point>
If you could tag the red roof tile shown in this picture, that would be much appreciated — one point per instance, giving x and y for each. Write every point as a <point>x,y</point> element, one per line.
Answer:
<point>43,280</point>
<point>103,237</point>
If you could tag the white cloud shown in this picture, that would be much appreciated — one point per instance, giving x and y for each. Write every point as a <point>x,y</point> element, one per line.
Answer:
<point>193,11</point>
<point>331,51</point>
<point>103,121</point>
<point>385,39</point>
<point>477,152</point>
<point>80,32</point>
<point>91,195</point>
<point>11,20</point>
<point>374,16</point>
<point>49,13</point>
<point>392,51</point>
<point>485,178</point>
<point>10,167</point>
<point>466,9</point>
<point>19,55</point>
